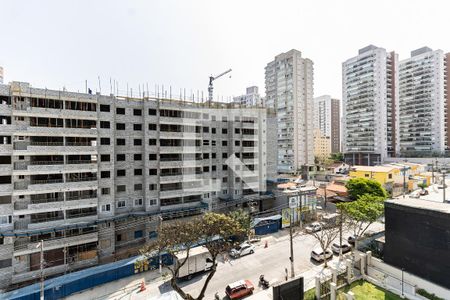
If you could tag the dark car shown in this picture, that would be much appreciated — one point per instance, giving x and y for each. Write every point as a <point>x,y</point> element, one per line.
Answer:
<point>351,240</point>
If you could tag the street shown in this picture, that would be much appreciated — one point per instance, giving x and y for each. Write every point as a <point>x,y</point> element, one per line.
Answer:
<point>271,261</point>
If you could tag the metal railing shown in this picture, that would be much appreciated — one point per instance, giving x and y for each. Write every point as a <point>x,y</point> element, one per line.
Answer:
<point>87,214</point>
<point>47,219</point>
<point>81,179</point>
<point>81,197</point>
<point>79,162</point>
<point>46,143</point>
<point>46,181</point>
<point>48,162</point>
<point>46,200</point>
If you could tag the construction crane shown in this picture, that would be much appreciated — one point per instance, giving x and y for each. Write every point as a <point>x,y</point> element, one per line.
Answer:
<point>210,86</point>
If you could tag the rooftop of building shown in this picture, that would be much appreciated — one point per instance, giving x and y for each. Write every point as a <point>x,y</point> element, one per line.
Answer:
<point>422,204</point>
<point>380,169</point>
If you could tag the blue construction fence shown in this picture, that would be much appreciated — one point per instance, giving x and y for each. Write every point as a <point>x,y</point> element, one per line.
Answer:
<point>68,284</point>
<point>267,225</point>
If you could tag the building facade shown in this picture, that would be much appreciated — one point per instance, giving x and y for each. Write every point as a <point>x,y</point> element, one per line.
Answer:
<point>93,175</point>
<point>322,146</point>
<point>327,118</point>
<point>250,99</point>
<point>423,102</point>
<point>289,91</point>
<point>370,106</point>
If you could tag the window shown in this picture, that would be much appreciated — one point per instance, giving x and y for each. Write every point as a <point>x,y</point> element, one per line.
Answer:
<point>105,141</point>
<point>137,172</point>
<point>104,124</point>
<point>213,155</point>
<point>120,142</point>
<point>205,129</point>
<point>120,126</point>
<point>5,263</point>
<point>152,157</point>
<point>224,131</point>
<point>105,157</point>
<point>137,112</point>
<point>152,187</point>
<point>237,130</point>
<point>138,202</point>
<point>225,179</point>
<point>151,126</point>
<point>224,155</point>
<point>366,175</point>
<point>224,167</point>
<point>5,220</point>
<point>106,207</point>
<point>105,174</point>
<point>120,157</point>
<point>205,169</point>
<point>120,110</point>
<point>152,142</point>
<point>137,127</point>
<point>138,142</point>
<point>152,112</point>
<point>153,202</point>
<point>205,142</point>
<point>138,187</point>
<point>225,192</point>
<point>213,130</point>
<point>138,233</point>
<point>118,238</point>
<point>104,107</point>
<point>390,176</point>
<point>213,168</point>
<point>224,143</point>
<point>106,191</point>
<point>121,173</point>
<point>121,188</point>
<point>205,155</point>
<point>237,143</point>
<point>153,172</point>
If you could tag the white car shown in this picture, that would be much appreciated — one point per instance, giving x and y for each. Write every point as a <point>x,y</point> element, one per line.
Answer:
<point>243,249</point>
<point>318,255</point>
<point>313,227</point>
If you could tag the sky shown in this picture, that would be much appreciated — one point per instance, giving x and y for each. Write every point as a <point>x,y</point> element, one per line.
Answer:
<point>180,43</point>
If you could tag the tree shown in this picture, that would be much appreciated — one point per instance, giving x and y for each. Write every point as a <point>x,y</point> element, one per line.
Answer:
<point>212,230</point>
<point>360,214</point>
<point>326,236</point>
<point>337,156</point>
<point>422,185</point>
<point>357,187</point>
<point>243,218</point>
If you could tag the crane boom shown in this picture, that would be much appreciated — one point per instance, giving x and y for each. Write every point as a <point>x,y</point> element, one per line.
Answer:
<point>210,86</point>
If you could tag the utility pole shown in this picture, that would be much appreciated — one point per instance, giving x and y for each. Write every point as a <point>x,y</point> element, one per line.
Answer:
<point>443,184</point>
<point>404,179</point>
<point>160,219</point>
<point>42,269</point>
<point>292,246</point>
<point>340,237</point>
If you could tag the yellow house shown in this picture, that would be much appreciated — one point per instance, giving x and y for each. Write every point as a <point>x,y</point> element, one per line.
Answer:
<point>385,175</point>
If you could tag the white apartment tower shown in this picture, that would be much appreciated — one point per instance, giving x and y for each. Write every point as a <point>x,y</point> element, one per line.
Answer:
<point>289,90</point>
<point>423,102</point>
<point>250,99</point>
<point>327,118</point>
<point>370,106</point>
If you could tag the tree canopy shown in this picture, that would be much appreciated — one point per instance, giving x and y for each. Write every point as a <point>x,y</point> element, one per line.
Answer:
<point>212,230</point>
<point>359,186</point>
<point>362,212</point>
<point>243,218</point>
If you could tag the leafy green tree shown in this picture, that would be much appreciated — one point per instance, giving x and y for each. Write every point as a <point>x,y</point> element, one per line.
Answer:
<point>243,218</point>
<point>212,229</point>
<point>360,214</point>
<point>337,156</point>
<point>357,187</point>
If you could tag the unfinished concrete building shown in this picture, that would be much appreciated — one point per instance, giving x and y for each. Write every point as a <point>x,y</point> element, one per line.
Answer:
<point>93,175</point>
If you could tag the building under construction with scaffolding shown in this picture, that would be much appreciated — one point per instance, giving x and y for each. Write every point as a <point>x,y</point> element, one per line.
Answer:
<point>94,175</point>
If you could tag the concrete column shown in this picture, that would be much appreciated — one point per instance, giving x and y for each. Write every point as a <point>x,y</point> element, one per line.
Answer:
<point>348,262</point>
<point>363,265</point>
<point>334,274</point>
<point>369,258</point>
<point>350,295</point>
<point>333,289</point>
<point>317,287</point>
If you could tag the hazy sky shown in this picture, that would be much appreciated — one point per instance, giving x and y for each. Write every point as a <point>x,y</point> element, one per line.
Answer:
<point>180,43</point>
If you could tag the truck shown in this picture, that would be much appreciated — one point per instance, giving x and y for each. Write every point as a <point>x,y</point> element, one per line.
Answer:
<point>199,261</point>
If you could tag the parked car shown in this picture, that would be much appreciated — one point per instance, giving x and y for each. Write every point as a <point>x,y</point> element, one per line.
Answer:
<point>243,249</point>
<point>318,255</point>
<point>336,247</point>
<point>239,289</point>
<point>313,227</point>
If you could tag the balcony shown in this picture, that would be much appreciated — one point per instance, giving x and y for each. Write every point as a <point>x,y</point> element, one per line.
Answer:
<point>53,148</point>
<point>56,131</point>
<point>54,112</point>
<point>30,247</point>
<point>52,204</point>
